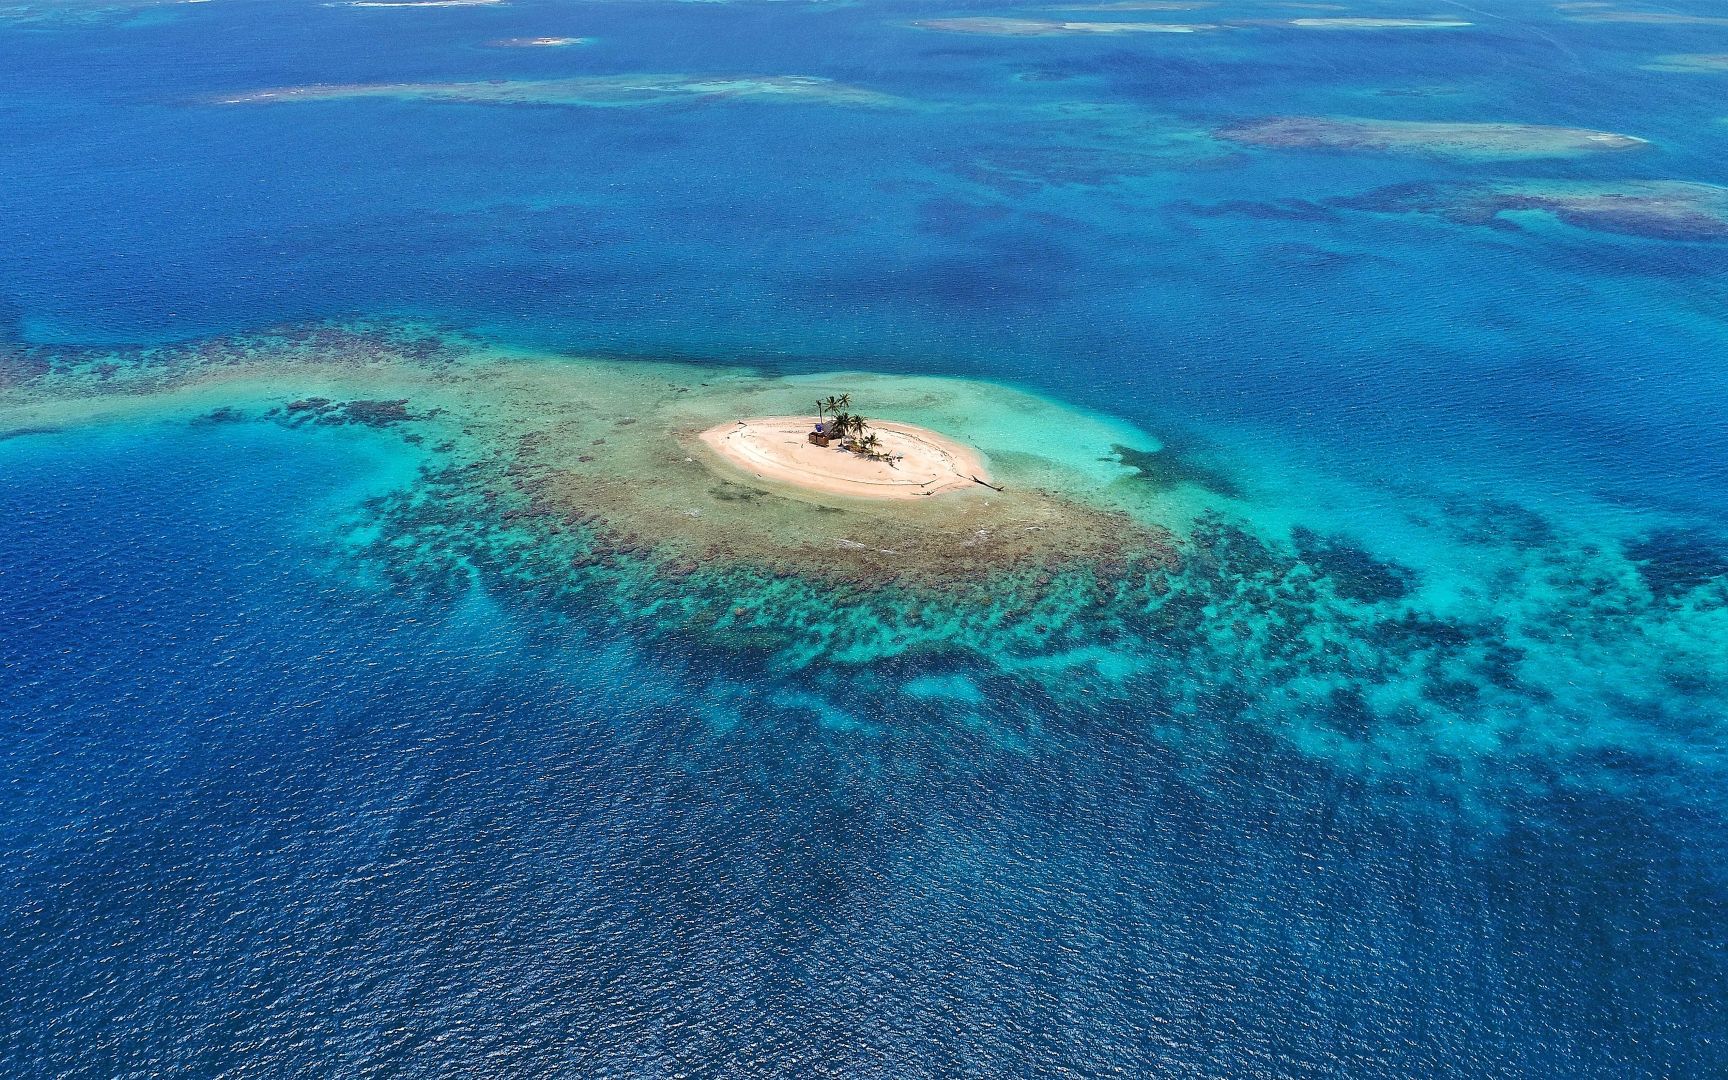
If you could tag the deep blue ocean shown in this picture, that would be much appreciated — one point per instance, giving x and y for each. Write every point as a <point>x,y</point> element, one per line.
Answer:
<point>260,817</point>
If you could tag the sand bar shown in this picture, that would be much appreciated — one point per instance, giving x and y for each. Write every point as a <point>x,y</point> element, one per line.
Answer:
<point>777,449</point>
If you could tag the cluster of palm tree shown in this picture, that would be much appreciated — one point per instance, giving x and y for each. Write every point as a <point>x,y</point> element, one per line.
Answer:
<point>852,431</point>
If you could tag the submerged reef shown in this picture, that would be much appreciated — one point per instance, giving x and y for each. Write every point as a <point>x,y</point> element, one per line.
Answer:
<point>613,451</point>
<point>588,91</point>
<point>1350,23</point>
<point>1081,143</point>
<point>996,26</point>
<point>541,42</point>
<point>1554,658</point>
<point>1674,562</point>
<point>1648,18</point>
<point>1136,5</point>
<point>1176,463</point>
<point>412,3</point>
<point>60,13</point>
<point>1693,63</point>
<point>1655,209</point>
<point>999,27</point>
<point>1438,138</point>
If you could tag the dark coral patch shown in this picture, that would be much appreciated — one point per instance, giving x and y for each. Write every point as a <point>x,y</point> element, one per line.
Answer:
<point>227,414</point>
<point>373,414</point>
<point>18,366</point>
<point>1177,464</point>
<point>1676,561</point>
<point>1355,573</point>
<point>378,413</point>
<point>737,493</point>
<point>19,433</point>
<point>1497,521</point>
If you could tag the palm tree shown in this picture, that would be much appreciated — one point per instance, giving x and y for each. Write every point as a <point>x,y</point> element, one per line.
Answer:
<point>841,423</point>
<point>870,443</point>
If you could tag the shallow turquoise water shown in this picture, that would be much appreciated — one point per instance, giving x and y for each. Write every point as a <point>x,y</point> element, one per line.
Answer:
<point>1416,770</point>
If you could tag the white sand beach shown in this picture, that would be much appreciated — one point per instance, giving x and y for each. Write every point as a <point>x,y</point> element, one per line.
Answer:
<point>777,449</point>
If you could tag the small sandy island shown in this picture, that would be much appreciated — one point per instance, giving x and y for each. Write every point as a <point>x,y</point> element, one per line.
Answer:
<point>912,462</point>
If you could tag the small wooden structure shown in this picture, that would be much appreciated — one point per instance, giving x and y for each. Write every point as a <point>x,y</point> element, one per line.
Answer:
<point>819,436</point>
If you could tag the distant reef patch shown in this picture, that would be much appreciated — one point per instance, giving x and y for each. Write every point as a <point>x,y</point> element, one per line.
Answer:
<point>541,42</point>
<point>48,14</point>
<point>1082,143</point>
<point>1353,23</point>
<point>1002,27</point>
<point>1460,139</point>
<point>1135,5</point>
<point>584,91</point>
<point>1646,18</point>
<point>1691,63</point>
<point>1655,209</point>
<point>413,3</point>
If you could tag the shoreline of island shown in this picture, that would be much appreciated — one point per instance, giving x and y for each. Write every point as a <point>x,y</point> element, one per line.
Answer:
<point>905,461</point>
